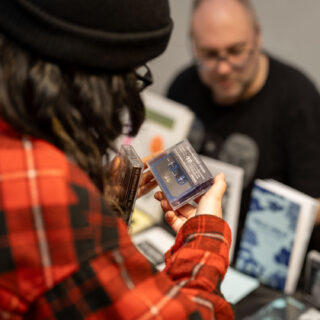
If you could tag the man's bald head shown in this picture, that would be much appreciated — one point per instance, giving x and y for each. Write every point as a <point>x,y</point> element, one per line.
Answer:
<point>245,3</point>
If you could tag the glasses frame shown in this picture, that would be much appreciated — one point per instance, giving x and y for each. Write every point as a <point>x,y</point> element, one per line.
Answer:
<point>225,57</point>
<point>144,79</point>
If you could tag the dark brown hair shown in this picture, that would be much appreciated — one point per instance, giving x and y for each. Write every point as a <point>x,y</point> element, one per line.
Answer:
<point>80,112</point>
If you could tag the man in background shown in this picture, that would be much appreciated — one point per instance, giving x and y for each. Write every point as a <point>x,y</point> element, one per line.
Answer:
<point>252,110</point>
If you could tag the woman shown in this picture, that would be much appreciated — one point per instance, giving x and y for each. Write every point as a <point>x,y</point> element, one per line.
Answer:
<point>67,78</point>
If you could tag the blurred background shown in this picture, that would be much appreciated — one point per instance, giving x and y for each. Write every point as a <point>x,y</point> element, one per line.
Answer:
<point>290,31</point>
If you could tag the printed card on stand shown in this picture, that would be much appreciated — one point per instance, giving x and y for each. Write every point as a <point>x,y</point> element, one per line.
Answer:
<point>307,216</point>
<point>140,221</point>
<point>276,234</point>
<point>232,197</point>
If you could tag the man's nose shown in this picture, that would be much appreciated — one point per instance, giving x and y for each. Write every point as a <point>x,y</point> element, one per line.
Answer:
<point>223,67</point>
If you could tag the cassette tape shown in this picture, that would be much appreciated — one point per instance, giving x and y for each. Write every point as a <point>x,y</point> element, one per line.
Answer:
<point>181,174</point>
<point>127,179</point>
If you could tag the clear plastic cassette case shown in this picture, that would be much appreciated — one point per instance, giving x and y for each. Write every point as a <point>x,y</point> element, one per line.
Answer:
<point>127,179</point>
<point>181,174</point>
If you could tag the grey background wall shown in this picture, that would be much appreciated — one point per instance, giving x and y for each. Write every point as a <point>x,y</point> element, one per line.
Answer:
<point>291,31</point>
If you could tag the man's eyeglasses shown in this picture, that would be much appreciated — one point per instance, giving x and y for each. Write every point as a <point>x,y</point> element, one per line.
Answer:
<point>144,77</point>
<point>236,58</point>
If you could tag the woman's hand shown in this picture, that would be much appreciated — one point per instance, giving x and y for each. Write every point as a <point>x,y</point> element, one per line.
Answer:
<point>147,183</point>
<point>208,203</point>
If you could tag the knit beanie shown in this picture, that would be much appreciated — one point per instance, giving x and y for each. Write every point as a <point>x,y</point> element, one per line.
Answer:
<point>108,35</point>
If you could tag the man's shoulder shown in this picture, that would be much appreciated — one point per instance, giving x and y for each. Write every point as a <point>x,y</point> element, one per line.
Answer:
<point>187,89</point>
<point>290,75</point>
<point>186,73</point>
<point>182,80</point>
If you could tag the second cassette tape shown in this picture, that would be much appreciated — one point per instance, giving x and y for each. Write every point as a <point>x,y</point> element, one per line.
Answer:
<point>127,180</point>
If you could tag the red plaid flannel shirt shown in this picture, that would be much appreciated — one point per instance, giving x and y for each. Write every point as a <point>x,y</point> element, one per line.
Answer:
<point>64,255</point>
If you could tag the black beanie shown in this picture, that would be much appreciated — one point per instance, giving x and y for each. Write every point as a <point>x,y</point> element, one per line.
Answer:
<point>109,35</point>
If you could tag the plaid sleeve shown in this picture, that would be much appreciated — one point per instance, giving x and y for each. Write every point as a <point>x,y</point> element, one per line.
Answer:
<point>200,257</point>
<point>64,255</point>
<point>121,284</point>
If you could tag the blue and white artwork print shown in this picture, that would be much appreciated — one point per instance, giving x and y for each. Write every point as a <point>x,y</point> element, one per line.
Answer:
<point>268,237</point>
